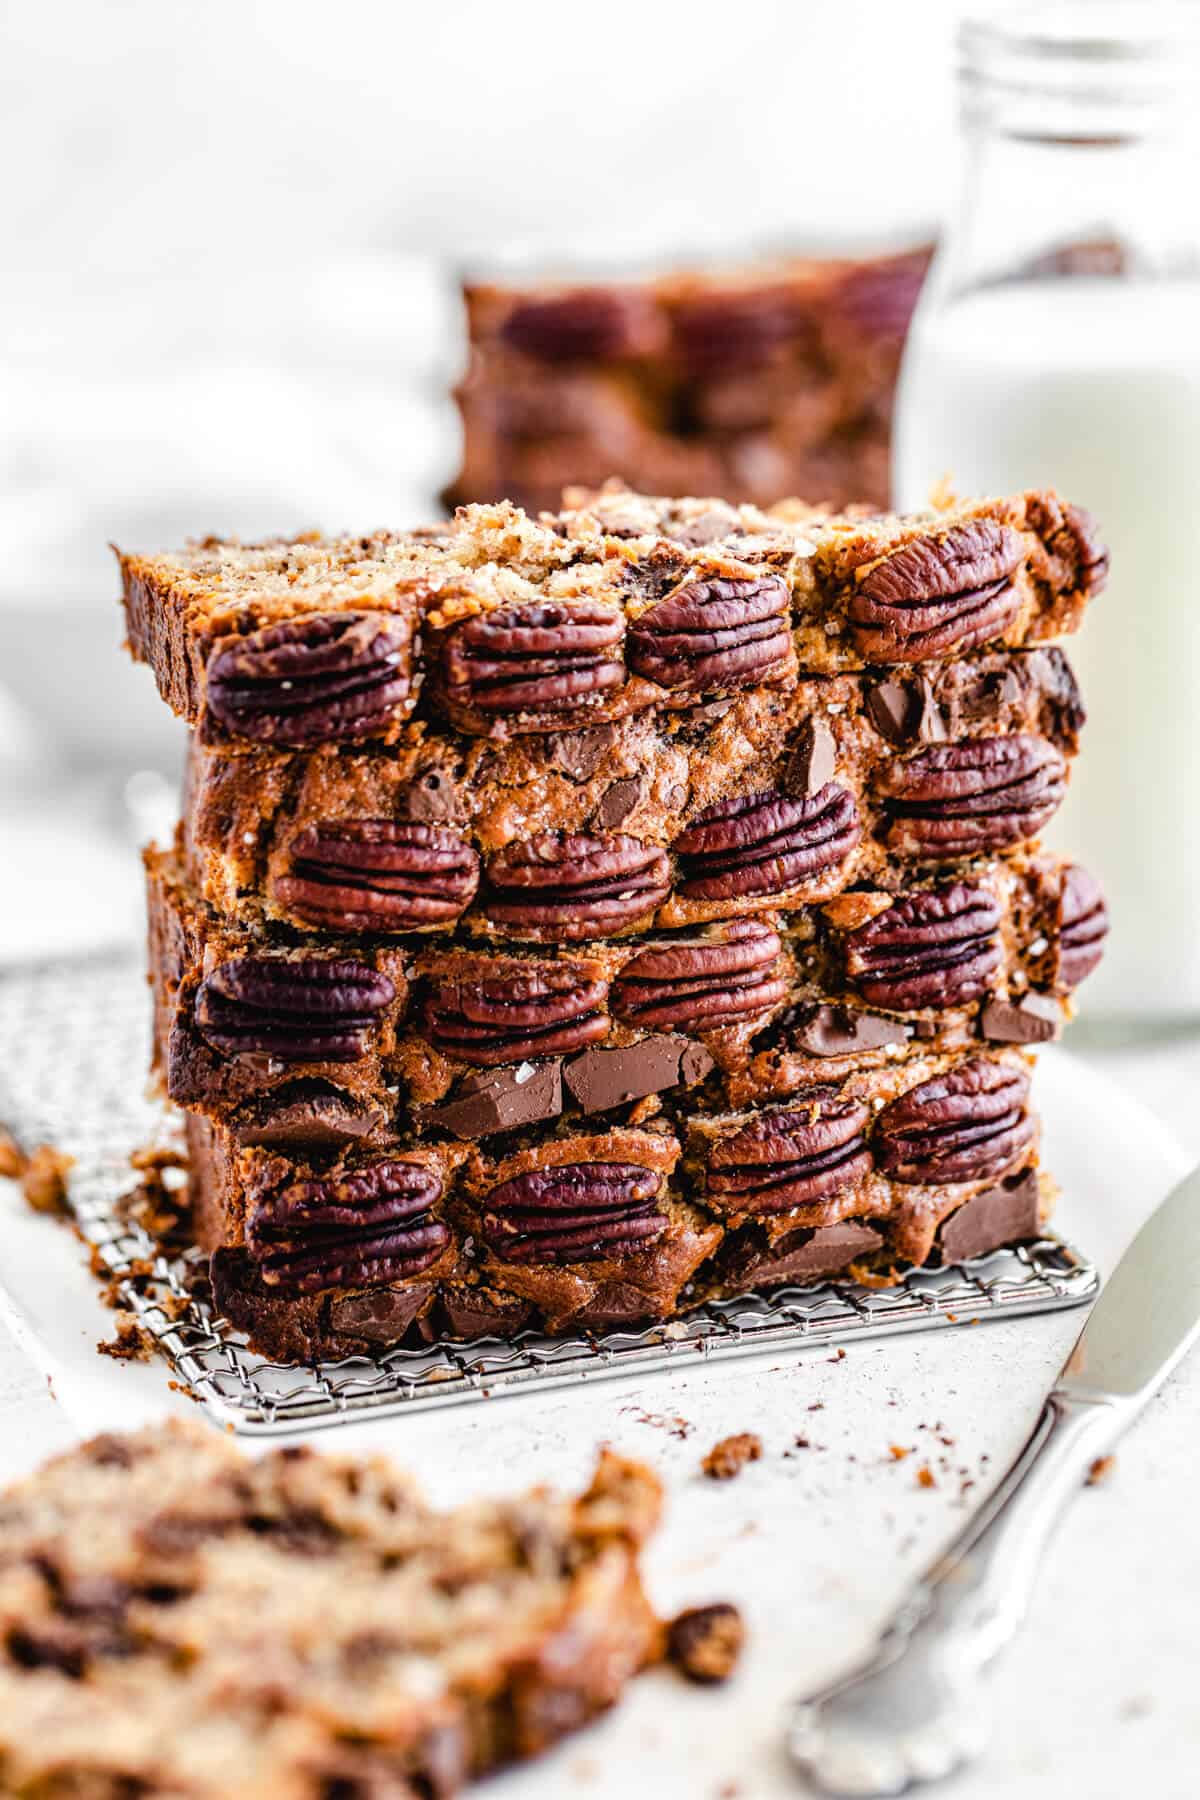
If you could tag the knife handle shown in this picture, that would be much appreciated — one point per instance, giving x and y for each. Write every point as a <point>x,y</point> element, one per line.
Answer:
<point>914,1710</point>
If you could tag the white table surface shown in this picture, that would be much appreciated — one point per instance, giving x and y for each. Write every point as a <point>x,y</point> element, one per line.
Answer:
<point>1100,1688</point>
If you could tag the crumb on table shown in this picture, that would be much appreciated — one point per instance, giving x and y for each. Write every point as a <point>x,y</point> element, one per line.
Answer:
<point>12,1157</point>
<point>704,1642</point>
<point>1100,1470</point>
<point>44,1179</point>
<point>132,1343</point>
<point>730,1456</point>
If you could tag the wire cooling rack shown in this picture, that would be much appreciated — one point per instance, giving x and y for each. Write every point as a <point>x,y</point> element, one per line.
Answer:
<point>73,1051</point>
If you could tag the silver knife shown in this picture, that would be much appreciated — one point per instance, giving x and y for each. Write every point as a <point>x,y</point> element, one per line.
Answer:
<point>914,1710</point>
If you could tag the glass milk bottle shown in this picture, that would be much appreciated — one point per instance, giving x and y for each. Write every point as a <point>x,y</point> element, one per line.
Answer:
<point>1058,344</point>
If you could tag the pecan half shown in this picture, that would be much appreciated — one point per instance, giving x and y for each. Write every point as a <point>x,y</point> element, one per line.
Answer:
<point>766,843</point>
<point>543,662</point>
<point>359,1229</point>
<point>1082,926</point>
<point>938,594</point>
<point>971,1124</point>
<point>1076,558</point>
<point>976,795</point>
<point>575,1213</point>
<point>378,875</point>
<point>780,1160</point>
<point>518,1011</point>
<point>940,948</point>
<point>325,678</point>
<point>566,886</point>
<point>715,636</point>
<point>722,976</point>
<point>309,1010</point>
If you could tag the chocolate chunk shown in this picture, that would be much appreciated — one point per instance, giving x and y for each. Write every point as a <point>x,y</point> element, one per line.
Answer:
<point>501,1099</point>
<point>907,712</point>
<point>580,753</point>
<point>429,800</point>
<point>839,1031</point>
<point>381,1315</point>
<point>1031,1019</point>
<point>932,725</point>
<point>617,802</point>
<point>813,760</point>
<point>285,1119</point>
<point>1000,1215</point>
<point>483,1312</point>
<point>894,709</point>
<point>694,1064</point>
<point>806,1256</point>
<point>600,1078</point>
<point>705,1642</point>
<point>708,713</point>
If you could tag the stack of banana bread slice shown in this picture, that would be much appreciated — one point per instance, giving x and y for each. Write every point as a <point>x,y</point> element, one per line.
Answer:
<point>576,918</point>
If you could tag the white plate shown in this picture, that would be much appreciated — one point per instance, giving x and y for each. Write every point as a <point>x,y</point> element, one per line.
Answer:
<point>813,1542</point>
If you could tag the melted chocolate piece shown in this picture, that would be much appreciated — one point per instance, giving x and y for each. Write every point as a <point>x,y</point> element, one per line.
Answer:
<point>1032,1019</point>
<point>812,762</point>
<point>840,1031</point>
<point>501,1100</point>
<point>1000,1215</point>
<point>601,1078</point>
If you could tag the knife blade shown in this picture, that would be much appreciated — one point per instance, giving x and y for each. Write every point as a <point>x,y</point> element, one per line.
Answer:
<point>1148,1314</point>
<point>914,1711</point>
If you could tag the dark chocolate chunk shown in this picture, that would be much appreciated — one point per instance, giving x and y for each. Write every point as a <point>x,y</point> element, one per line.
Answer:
<point>289,1118</point>
<point>695,1064</point>
<point>1000,1215</point>
<point>893,709</point>
<point>813,760</point>
<point>1029,1019</point>
<point>500,1100</point>
<point>708,713</point>
<point>839,1031</point>
<point>381,1315</point>
<point>808,1255</point>
<point>602,1078</point>
<point>471,1312</point>
<point>907,712</point>
<point>429,800</point>
<point>580,753</point>
<point>617,802</point>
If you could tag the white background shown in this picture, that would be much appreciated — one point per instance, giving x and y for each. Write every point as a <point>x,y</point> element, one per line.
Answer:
<point>228,231</point>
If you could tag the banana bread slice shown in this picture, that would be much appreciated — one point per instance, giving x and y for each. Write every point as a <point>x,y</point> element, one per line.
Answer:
<point>337,1040</point>
<point>619,604</point>
<point>180,1622</point>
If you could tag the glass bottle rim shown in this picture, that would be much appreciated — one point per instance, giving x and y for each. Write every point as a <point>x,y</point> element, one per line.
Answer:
<point>1074,69</point>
